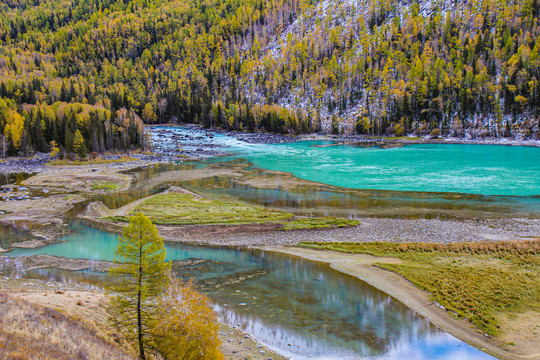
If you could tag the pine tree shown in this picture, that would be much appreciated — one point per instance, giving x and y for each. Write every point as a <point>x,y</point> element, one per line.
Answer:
<point>63,93</point>
<point>79,147</point>
<point>142,274</point>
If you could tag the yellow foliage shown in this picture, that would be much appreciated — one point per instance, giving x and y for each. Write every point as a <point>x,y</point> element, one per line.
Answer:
<point>521,100</point>
<point>14,128</point>
<point>149,114</point>
<point>186,326</point>
<point>54,149</point>
<point>398,130</point>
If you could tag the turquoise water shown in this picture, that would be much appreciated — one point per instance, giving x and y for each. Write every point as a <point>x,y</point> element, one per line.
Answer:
<point>321,313</point>
<point>475,169</point>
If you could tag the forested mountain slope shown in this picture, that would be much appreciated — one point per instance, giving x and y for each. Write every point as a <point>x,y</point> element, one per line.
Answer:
<point>102,67</point>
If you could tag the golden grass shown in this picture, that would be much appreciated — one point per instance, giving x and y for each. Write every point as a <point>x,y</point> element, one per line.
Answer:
<point>185,209</point>
<point>96,161</point>
<point>104,185</point>
<point>478,281</point>
<point>30,331</point>
<point>319,223</point>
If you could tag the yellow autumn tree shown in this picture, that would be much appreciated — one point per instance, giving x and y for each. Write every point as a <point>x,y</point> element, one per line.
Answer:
<point>54,148</point>
<point>79,146</point>
<point>148,114</point>
<point>14,128</point>
<point>186,327</point>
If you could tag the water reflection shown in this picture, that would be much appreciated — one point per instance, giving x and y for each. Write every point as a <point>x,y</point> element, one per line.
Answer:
<point>14,178</point>
<point>15,231</point>
<point>295,306</point>
<point>239,180</point>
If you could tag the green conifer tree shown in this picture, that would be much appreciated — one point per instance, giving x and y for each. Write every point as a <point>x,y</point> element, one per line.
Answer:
<point>79,147</point>
<point>142,275</point>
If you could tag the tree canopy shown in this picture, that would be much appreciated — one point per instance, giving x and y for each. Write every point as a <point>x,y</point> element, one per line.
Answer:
<point>141,276</point>
<point>105,66</point>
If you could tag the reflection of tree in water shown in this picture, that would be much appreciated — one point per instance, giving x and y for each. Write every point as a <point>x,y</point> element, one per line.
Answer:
<point>318,308</point>
<point>325,200</point>
<point>13,231</point>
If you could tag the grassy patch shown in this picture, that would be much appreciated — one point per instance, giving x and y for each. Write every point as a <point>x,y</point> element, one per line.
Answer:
<point>318,223</point>
<point>104,185</point>
<point>185,209</point>
<point>29,331</point>
<point>478,281</point>
<point>91,162</point>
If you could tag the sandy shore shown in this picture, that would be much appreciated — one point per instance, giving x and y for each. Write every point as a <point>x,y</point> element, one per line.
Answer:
<point>361,266</point>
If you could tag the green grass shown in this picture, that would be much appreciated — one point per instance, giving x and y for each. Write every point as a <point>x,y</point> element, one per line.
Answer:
<point>104,185</point>
<point>478,281</point>
<point>93,161</point>
<point>318,223</point>
<point>185,209</point>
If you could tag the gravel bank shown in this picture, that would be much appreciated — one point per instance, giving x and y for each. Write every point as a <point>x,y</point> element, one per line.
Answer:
<point>370,229</point>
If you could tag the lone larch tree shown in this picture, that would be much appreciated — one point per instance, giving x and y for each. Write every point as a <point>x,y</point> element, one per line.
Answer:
<point>142,274</point>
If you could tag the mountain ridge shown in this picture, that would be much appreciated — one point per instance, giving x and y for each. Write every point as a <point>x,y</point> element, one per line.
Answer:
<point>384,67</point>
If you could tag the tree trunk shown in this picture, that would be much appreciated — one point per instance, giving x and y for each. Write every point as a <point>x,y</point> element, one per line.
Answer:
<point>139,317</point>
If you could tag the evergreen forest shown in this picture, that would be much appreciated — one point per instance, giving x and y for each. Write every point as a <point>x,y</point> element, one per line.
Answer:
<point>101,69</point>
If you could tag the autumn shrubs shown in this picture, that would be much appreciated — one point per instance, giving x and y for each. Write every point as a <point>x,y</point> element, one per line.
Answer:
<point>186,327</point>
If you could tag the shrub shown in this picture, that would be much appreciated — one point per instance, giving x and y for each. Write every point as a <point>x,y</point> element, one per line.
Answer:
<point>186,327</point>
<point>435,133</point>
<point>398,130</point>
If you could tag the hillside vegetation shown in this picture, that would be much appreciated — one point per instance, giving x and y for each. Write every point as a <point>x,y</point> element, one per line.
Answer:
<point>103,67</point>
<point>30,331</point>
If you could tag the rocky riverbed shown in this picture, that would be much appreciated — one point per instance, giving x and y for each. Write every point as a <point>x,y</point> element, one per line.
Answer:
<point>172,143</point>
<point>370,229</point>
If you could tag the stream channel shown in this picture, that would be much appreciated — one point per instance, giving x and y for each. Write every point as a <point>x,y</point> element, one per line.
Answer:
<point>303,309</point>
